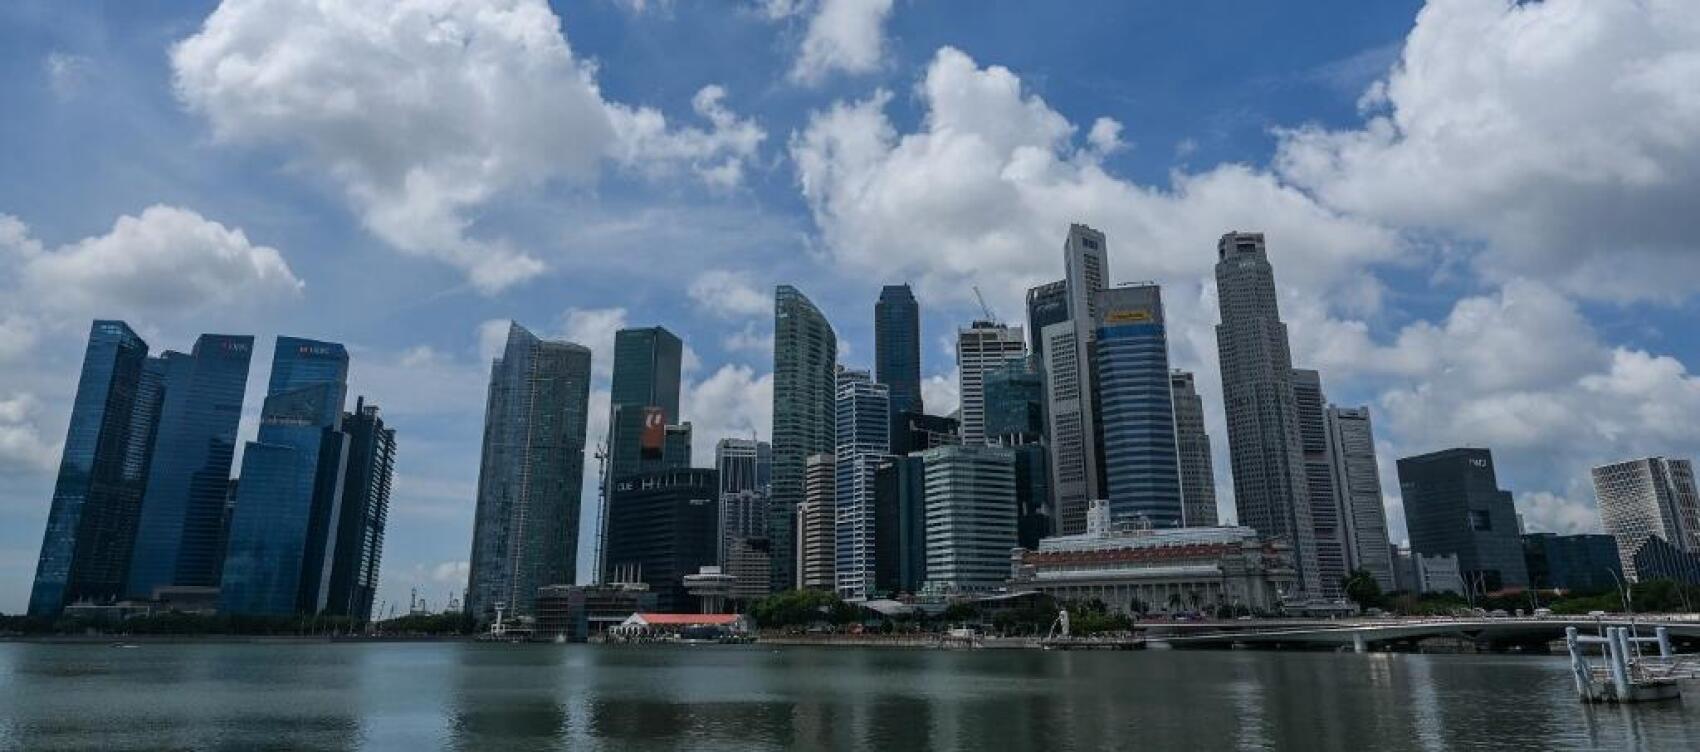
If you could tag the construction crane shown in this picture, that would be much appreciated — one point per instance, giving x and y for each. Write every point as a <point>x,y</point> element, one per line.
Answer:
<point>986,309</point>
<point>602,506</point>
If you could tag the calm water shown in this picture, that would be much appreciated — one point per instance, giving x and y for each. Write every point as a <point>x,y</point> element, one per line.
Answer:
<point>465,696</point>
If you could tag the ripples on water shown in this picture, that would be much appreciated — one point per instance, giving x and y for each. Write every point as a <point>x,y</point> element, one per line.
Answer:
<point>469,696</point>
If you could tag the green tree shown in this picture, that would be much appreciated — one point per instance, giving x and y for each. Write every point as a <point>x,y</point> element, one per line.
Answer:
<point>1362,589</point>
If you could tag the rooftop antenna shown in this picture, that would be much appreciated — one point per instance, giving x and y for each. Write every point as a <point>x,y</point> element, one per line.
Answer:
<point>986,309</point>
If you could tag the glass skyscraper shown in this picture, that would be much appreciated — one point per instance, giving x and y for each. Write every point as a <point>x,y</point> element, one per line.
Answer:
<point>97,496</point>
<point>288,499</point>
<point>1453,505</point>
<point>897,347</point>
<point>1077,473</point>
<point>353,577</point>
<point>982,346</point>
<point>647,364</point>
<point>862,424</point>
<point>805,358</point>
<point>531,475</point>
<point>180,537</point>
<point>1327,507</point>
<point>1047,304</point>
<point>1142,465</point>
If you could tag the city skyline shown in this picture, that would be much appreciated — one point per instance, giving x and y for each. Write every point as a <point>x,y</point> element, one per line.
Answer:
<point>1520,329</point>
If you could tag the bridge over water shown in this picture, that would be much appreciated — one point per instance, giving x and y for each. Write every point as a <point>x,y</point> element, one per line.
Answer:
<point>1363,634</point>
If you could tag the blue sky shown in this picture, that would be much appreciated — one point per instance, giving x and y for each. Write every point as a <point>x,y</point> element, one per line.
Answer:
<point>1480,213</point>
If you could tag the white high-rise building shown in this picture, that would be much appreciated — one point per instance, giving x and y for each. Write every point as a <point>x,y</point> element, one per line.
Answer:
<point>970,517</point>
<point>983,346</point>
<point>1071,409</point>
<point>862,423</point>
<point>1652,497</point>
<point>1357,480</point>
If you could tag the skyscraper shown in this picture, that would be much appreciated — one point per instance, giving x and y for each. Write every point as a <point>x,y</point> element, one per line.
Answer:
<point>644,389</point>
<point>1264,450</point>
<point>288,503</point>
<point>525,529</point>
<point>91,525</point>
<point>1141,462</point>
<point>863,429</point>
<point>1453,505</point>
<point>1047,304</point>
<point>1198,479</point>
<point>180,535</point>
<point>1652,497</point>
<point>352,578</point>
<point>897,347</point>
<point>1327,512</point>
<point>900,525</point>
<point>1077,476</point>
<point>805,358</point>
<point>981,347</point>
<point>1015,419</point>
<point>661,527</point>
<point>745,469</point>
<point>1357,479</point>
<point>816,534</point>
<point>971,517</point>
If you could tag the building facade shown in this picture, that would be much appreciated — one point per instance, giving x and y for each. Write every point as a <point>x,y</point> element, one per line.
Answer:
<point>662,525</point>
<point>643,398</point>
<point>352,582</point>
<point>862,424</point>
<point>1077,477</point>
<point>900,525</point>
<point>97,495</point>
<point>816,551</point>
<point>982,347</point>
<point>1357,481</point>
<point>897,347</point>
<point>1138,570</point>
<point>1192,443</point>
<point>1047,304</point>
<point>970,517</point>
<point>805,359</point>
<point>531,474</point>
<point>284,524</point>
<point>1576,563</point>
<point>916,432</point>
<point>1416,573</point>
<point>745,467</point>
<point>1327,511</point>
<point>1136,407</point>
<point>1264,448</point>
<point>1453,505</point>
<point>1652,497</point>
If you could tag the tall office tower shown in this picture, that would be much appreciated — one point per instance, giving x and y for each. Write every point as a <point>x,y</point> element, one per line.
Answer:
<point>1136,408</point>
<point>1327,507</point>
<point>900,525</point>
<point>897,347</point>
<point>805,359</point>
<point>525,529</point>
<point>1357,479</point>
<point>1015,419</point>
<point>1077,474</point>
<point>352,578</point>
<point>981,347</point>
<point>863,427</point>
<point>102,473</point>
<point>1198,479</point>
<point>1047,304</point>
<point>745,468</point>
<point>1652,497</point>
<point>180,534</point>
<point>643,399</point>
<point>1453,505</point>
<point>971,517</point>
<point>288,503</point>
<point>1257,394</point>
<point>661,527</point>
<point>816,535</point>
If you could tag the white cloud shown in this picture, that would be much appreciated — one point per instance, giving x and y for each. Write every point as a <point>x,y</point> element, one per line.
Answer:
<point>754,339</point>
<point>843,35</point>
<point>942,393</point>
<point>424,111</point>
<point>595,328</point>
<point>492,339</point>
<point>24,449</point>
<point>734,401</point>
<point>730,294</point>
<point>66,73</point>
<point>1560,134</point>
<point>451,573</point>
<point>167,260</point>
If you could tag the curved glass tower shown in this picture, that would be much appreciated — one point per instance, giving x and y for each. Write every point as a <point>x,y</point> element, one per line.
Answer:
<point>805,359</point>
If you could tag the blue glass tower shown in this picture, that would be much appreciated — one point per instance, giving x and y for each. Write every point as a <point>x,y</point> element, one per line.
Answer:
<point>180,538</point>
<point>1142,464</point>
<point>290,490</point>
<point>897,348</point>
<point>91,526</point>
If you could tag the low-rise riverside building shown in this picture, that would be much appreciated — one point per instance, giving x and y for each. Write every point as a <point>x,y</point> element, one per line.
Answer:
<point>1173,570</point>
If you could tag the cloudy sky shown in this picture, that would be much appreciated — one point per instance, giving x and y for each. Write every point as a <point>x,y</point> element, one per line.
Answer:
<point>1482,213</point>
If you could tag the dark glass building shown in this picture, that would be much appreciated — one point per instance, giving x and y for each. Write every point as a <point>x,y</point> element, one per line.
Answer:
<point>97,497</point>
<point>897,347</point>
<point>180,536</point>
<point>900,525</point>
<point>917,432</point>
<point>805,361</point>
<point>287,502</point>
<point>1579,563</point>
<point>353,579</point>
<point>530,476</point>
<point>1047,304</point>
<point>644,388</point>
<point>1015,403</point>
<point>1453,505</point>
<point>662,526</point>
